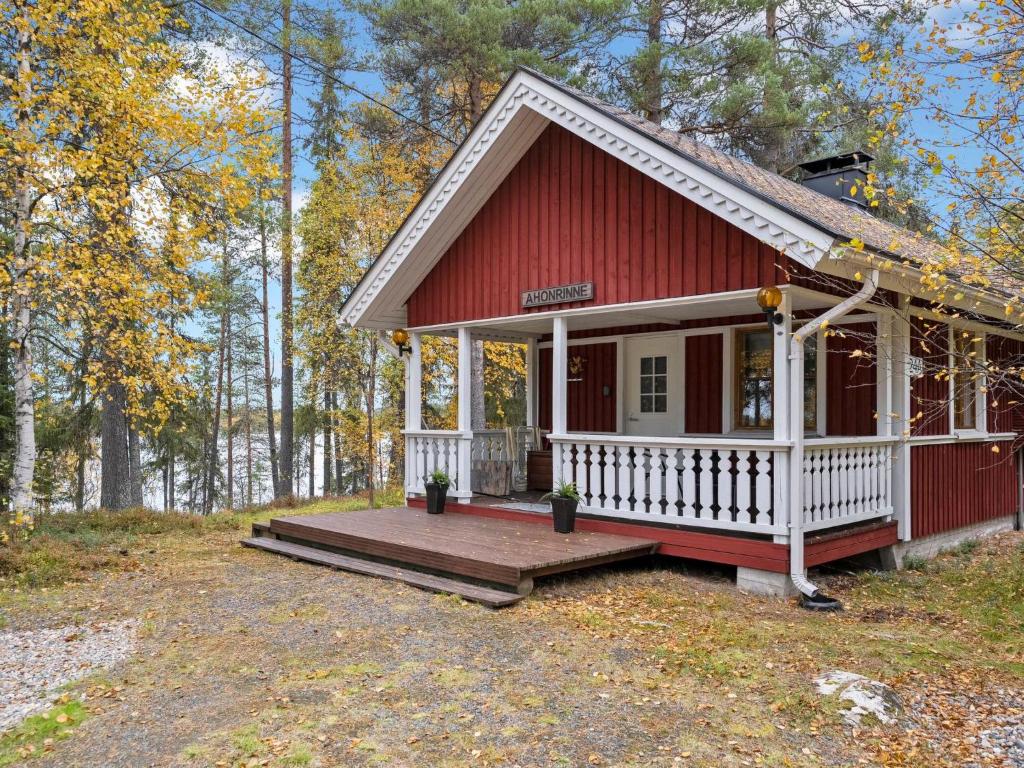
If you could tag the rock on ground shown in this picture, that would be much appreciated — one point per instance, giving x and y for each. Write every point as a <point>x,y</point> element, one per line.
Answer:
<point>864,696</point>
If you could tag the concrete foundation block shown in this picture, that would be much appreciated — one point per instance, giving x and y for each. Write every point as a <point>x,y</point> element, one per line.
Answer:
<point>768,583</point>
<point>930,546</point>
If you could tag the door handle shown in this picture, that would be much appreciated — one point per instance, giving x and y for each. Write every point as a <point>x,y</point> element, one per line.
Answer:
<point>633,418</point>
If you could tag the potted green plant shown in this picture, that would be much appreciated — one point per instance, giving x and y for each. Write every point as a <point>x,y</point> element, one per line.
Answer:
<point>564,501</point>
<point>437,491</point>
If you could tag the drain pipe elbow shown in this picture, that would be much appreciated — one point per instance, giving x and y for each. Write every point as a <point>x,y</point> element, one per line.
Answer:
<point>811,596</point>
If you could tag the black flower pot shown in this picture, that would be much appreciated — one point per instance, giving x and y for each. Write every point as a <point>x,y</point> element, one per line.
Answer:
<point>563,512</point>
<point>437,494</point>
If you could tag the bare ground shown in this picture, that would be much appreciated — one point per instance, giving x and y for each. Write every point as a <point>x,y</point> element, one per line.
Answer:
<point>249,659</point>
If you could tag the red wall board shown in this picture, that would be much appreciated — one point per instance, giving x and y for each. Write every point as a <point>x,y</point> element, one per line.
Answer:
<point>957,484</point>
<point>703,383</point>
<point>850,381</point>
<point>929,396</point>
<point>567,213</point>
<point>588,408</point>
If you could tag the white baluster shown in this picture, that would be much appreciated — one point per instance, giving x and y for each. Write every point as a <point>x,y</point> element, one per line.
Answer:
<point>845,481</point>
<point>689,482</point>
<point>763,488</point>
<point>596,473</point>
<point>810,509</point>
<point>707,480</point>
<point>640,480</point>
<point>611,458</point>
<point>655,481</point>
<point>833,483</point>
<point>819,486</point>
<point>672,482</point>
<point>626,456</point>
<point>743,482</point>
<point>725,486</point>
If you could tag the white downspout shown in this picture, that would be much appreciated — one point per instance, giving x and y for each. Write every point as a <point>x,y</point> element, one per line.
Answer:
<point>796,427</point>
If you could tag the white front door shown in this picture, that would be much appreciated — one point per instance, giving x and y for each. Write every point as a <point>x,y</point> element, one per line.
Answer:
<point>653,379</point>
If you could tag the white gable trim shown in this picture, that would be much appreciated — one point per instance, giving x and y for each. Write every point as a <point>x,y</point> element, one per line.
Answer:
<point>448,206</point>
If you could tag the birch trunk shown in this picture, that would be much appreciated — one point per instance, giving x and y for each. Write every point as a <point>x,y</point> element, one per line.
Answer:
<point>328,453</point>
<point>22,499</point>
<point>134,468</point>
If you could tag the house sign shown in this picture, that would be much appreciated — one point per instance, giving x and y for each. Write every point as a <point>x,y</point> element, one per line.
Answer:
<point>558,294</point>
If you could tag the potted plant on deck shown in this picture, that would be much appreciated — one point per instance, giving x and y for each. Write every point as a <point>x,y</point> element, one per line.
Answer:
<point>437,491</point>
<point>564,501</point>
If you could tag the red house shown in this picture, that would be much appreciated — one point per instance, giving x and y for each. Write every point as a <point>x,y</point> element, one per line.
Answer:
<point>629,260</point>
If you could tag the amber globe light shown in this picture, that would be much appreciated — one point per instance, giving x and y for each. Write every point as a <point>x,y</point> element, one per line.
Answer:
<point>401,338</point>
<point>769,298</point>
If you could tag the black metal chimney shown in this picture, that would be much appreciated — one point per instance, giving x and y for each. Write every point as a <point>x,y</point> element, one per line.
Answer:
<point>841,177</point>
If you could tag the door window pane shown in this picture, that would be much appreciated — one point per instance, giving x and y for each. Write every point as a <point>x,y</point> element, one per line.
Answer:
<point>654,379</point>
<point>754,361</point>
<point>811,383</point>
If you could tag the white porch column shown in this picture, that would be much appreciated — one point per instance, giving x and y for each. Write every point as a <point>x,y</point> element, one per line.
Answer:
<point>463,482</point>
<point>781,416</point>
<point>900,405</point>
<point>413,410</point>
<point>531,382</point>
<point>559,393</point>
<point>884,371</point>
<point>414,384</point>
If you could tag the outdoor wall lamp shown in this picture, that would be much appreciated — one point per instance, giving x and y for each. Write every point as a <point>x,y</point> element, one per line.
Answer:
<point>401,338</point>
<point>768,299</point>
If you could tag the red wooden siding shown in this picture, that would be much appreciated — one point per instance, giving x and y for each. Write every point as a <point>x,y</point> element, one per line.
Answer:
<point>958,484</point>
<point>850,382</point>
<point>569,212</point>
<point>588,408</point>
<point>1006,394</point>
<point>928,395</point>
<point>703,383</point>
<point>836,545</point>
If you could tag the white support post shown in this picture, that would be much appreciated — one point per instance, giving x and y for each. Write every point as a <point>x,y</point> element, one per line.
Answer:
<point>531,382</point>
<point>559,391</point>
<point>414,384</point>
<point>900,406</point>
<point>884,373</point>
<point>413,408</point>
<point>464,481</point>
<point>781,334</point>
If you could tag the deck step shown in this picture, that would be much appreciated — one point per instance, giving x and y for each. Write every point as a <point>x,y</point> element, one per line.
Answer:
<point>492,598</point>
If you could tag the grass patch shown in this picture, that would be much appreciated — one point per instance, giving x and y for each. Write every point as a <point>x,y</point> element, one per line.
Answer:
<point>36,734</point>
<point>70,547</point>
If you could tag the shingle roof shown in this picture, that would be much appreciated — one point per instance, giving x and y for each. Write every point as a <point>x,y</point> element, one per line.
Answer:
<point>837,218</point>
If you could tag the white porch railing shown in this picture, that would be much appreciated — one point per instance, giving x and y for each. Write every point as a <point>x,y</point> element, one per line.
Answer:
<point>846,480</point>
<point>714,483</point>
<point>490,445</point>
<point>428,450</point>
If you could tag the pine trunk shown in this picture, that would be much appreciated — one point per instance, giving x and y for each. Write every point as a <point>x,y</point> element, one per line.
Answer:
<point>248,440</point>
<point>654,108</point>
<point>339,462</point>
<point>287,372</point>
<point>268,371</point>
<point>328,452</point>
<point>478,412</point>
<point>229,414</point>
<point>135,467</point>
<point>371,396</point>
<point>115,491</point>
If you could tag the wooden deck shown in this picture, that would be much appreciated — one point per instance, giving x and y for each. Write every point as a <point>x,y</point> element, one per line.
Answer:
<point>484,552</point>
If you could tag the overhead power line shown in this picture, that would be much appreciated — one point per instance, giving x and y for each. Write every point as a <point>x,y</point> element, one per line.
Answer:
<point>323,70</point>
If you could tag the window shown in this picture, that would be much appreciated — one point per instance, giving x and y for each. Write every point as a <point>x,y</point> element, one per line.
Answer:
<point>754,363</point>
<point>965,389</point>
<point>754,393</point>
<point>654,384</point>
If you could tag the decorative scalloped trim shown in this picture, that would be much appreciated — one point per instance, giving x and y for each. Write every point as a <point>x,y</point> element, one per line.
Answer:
<point>769,232</point>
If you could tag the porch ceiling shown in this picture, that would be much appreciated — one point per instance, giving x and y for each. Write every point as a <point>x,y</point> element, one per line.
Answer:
<point>733,304</point>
